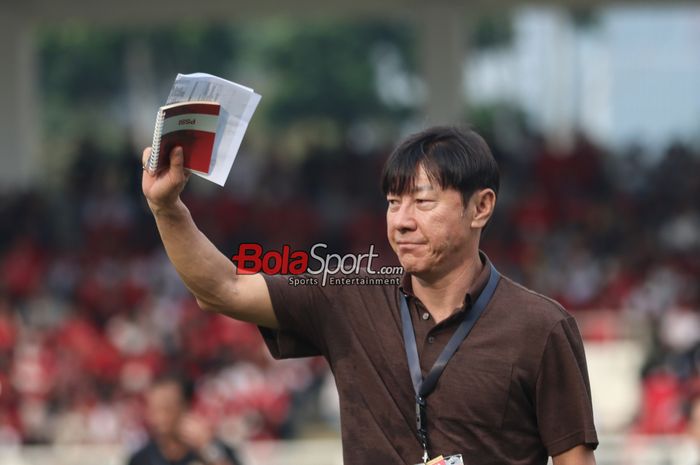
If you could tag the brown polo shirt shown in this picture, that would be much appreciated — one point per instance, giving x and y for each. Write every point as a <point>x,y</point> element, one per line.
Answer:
<point>515,391</point>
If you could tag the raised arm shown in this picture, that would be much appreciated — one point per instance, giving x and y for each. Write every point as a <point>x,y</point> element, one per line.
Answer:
<point>206,272</point>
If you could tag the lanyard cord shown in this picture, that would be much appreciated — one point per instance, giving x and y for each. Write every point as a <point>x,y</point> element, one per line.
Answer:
<point>424,387</point>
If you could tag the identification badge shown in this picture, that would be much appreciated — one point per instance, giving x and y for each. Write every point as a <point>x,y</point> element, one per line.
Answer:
<point>449,460</point>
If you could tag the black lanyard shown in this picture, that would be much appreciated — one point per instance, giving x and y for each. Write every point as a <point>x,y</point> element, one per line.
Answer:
<point>424,387</point>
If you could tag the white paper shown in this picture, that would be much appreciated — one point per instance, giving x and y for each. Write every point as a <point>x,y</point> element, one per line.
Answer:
<point>238,103</point>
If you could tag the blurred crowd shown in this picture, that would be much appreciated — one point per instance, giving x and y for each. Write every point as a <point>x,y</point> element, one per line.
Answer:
<point>91,310</point>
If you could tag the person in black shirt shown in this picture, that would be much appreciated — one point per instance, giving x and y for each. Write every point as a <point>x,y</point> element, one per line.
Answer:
<point>177,436</point>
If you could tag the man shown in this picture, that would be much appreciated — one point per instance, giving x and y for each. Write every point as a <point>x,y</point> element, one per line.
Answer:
<point>512,391</point>
<point>178,437</point>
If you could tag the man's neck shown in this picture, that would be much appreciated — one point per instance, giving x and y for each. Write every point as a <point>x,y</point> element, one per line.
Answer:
<point>443,294</point>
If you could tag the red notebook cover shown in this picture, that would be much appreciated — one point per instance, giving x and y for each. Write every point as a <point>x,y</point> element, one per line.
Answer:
<point>191,125</point>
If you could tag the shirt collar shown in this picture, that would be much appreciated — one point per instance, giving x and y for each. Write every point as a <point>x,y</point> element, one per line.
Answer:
<point>473,291</point>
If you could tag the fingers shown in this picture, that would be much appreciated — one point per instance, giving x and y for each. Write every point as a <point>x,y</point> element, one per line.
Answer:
<point>177,159</point>
<point>144,160</point>
<point>177,166</point>
<point>176,163</point>
<point>196,431</point>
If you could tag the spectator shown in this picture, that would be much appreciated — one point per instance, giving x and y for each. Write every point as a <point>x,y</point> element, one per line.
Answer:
<point>177,435</point>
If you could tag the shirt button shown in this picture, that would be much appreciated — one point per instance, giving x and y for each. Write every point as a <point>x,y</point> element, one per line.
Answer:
<point>426,316</point>
<point>431,339</point>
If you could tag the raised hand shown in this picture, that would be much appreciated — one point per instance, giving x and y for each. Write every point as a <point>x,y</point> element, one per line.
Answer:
<point>163,187</point>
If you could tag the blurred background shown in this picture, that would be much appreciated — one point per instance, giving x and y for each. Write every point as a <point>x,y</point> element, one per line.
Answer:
<point>593,112</point>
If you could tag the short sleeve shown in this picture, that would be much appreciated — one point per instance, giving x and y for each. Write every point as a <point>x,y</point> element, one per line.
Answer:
<point>563,394</point>
<point>300,311</point>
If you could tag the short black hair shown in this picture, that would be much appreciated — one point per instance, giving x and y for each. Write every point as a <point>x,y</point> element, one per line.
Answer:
<point>452,157</point>
<point>182,383</point>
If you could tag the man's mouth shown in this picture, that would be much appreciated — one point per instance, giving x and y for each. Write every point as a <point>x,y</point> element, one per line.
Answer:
<point>408,246</point>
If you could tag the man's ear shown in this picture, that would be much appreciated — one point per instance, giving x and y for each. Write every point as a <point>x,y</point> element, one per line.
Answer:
<point>483,202</point>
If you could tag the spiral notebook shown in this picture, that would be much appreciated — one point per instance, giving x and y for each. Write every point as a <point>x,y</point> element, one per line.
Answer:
<point>208,116</point>
<point>191,125</point>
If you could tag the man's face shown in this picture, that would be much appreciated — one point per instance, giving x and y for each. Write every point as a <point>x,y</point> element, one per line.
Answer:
<point>164,407</point>
<point>428,228</point>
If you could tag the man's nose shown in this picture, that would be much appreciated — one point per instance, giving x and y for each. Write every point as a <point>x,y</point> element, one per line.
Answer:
<point>404,218</point>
